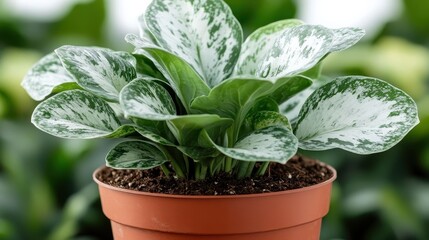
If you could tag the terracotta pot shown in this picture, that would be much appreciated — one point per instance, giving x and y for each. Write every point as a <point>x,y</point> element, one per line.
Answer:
<point>293,214</point>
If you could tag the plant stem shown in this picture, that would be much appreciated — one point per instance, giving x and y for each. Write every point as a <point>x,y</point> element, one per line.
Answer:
<point>165,170</point>
<point>263,168</point>
<point>216,165</point>
<point>200,170</point>
<point>178,169</point>
<point>250,168</point>
<point>242,169</point>
<point>228,164</point>
<point>186,160</point>
<point>176,166</point>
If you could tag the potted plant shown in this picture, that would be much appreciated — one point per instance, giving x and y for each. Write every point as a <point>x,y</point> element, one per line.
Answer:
<point>196,102</point>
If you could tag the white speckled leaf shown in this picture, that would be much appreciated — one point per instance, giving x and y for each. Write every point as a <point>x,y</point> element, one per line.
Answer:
<point>145,35</point>
<point>135,155</point>
<point>100,71</point>
<point>47,74</point>
<point>297,49</point>
<point>291,107</point>
<point>146,99</point>
<point>346,37</point>
<point>76,114</point>
<point>274,144</point>
<point>257,44</point>
<point>359,114</point>
<point>202,32</point>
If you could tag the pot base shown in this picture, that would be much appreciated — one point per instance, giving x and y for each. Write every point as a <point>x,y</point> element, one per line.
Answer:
<point>307,231</point>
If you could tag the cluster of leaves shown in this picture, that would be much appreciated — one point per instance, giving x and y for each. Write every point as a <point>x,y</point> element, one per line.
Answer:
<point>196,99</point>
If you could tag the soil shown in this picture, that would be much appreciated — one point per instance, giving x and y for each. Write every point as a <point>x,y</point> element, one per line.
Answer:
<point>298,172</point>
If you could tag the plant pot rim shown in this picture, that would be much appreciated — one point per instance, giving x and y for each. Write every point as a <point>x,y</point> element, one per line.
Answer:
<point>253,195</point>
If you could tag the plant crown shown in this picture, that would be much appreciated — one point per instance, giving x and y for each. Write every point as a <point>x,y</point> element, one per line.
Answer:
<point>195,99</point>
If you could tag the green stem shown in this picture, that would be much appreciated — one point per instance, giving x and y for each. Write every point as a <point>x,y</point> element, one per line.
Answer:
<point>216,165</point>
<point>165,170</point>
<point>178,169</point>
<point>263,168</point>
<point>250,168</point>
<point>186,160</point>
<point>228,164</point>
<point>175,164</point>
<point>242,169</point>
<point>200,170</point>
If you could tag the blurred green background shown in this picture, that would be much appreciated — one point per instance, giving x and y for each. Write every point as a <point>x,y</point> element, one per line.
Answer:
<point>46,190</point>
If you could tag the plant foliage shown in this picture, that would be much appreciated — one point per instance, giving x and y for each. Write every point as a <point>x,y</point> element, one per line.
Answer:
<point>197,99</point>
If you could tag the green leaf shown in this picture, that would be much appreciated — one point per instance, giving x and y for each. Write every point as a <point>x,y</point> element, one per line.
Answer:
<point>47,74</point>
<point>265,119</point>
<point>185,82</point>
<point>273,144</point>
<point>234,98</point>
<point>146,99</point>
<point>297,49</point>
<point>358,114</point>
<point>199,153</point>
<point>76,114</point>
<point>285,88</point>
<point>187,128</point>
<point>146,68</point>
<point>154,136</point>
<point>136,155</point>
<point>100,71</point>
<point>202,32</point>
<point>258,44</point>
<point>229,98</point>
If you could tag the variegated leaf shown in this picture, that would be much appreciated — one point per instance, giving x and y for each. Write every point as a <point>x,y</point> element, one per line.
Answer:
<point>136,155</point>
<point>76,114</point>
<point>145,35</point>
<point>46,75</point>
<point>359,114</point>
<point>257,44</point>
<point>100,71</point>
<point>345,38</point>
<point>186,83</point>
<point>291,107</point>
<point>297,49</point>
<point>202,32</point>
<point>122,131</point>
<point>274,144</point>
<point>146,99</point>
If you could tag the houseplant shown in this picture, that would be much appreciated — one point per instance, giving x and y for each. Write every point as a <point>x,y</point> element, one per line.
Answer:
<point>196,101</point>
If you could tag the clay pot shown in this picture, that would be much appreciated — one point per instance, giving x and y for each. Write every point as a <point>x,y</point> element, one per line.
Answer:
<point>292,214</point>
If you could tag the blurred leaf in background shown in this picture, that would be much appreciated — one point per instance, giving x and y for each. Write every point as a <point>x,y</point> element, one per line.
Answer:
<point>45,183</point>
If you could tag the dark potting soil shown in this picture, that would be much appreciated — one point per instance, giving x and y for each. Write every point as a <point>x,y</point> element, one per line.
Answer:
<point>298,172</point>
